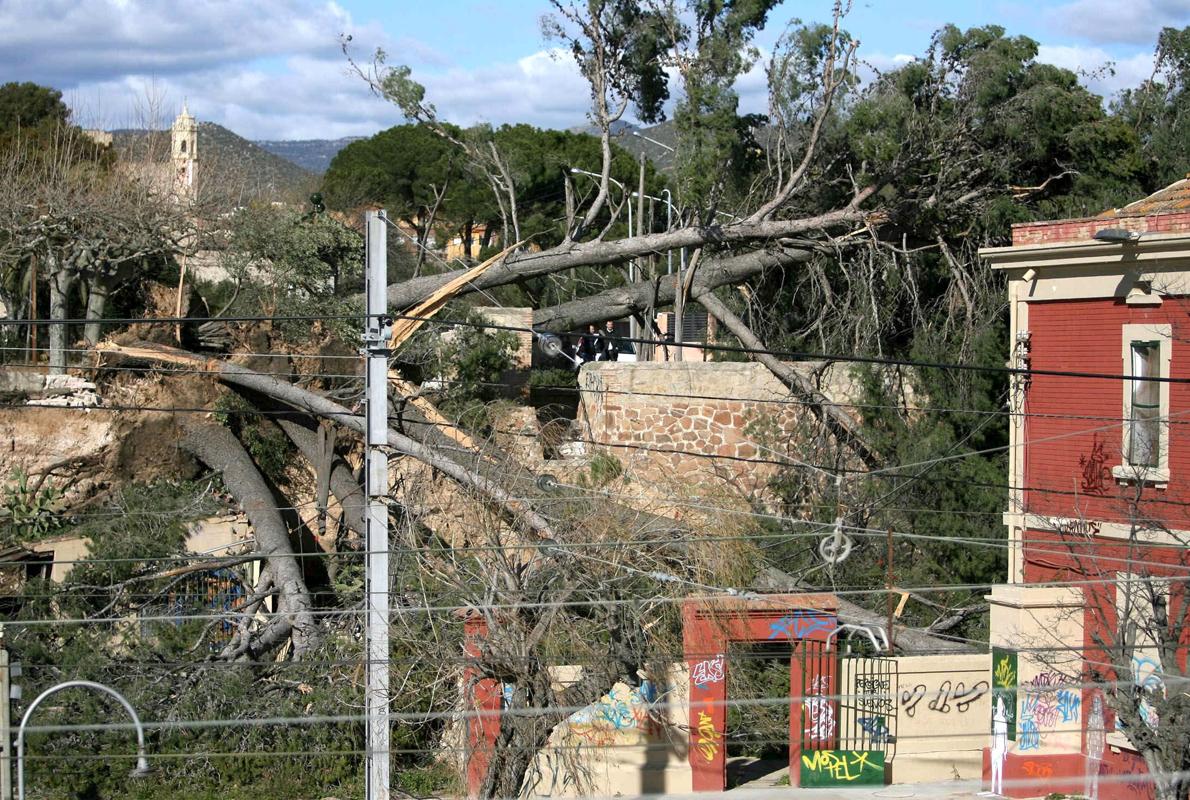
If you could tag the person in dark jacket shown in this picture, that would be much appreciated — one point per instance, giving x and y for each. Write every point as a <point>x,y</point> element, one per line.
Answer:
<point>611,345</point>
<point>588,345</point>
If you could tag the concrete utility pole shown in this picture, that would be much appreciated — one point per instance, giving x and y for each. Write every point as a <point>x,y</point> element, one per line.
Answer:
<point>376,333</point>
<point>5,721</point>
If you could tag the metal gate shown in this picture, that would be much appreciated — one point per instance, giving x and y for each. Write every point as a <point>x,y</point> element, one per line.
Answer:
<point>867,704</point>
<point>848,709</point>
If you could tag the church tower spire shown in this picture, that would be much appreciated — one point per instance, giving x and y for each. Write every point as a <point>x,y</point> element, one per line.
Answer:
<point>184,151</point>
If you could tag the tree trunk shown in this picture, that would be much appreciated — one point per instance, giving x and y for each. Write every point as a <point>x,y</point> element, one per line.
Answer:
<point>344,486</point>
<point>841,426</point>
<point>644,295</point>
<point>304,400</point>
<point>61,283</point>
<point>220,450</point>
<point>601,253</point>
<point>99,288</point>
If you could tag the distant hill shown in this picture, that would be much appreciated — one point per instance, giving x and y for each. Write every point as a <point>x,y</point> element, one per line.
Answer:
<point>313,155</point>
<point>247,169</point>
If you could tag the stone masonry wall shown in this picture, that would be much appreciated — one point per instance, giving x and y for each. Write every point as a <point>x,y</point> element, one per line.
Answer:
<point>689,422</point>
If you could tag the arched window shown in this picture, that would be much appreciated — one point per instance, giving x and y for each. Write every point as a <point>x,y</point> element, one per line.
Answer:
<point>183,145</point>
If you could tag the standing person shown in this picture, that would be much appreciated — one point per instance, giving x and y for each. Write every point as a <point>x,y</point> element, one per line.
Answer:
<point>588,345</point>
<point>999,750</point>
<point>611,346</point>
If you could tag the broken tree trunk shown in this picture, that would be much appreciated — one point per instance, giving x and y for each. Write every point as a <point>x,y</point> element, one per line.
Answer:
<point>603,253</point>
<point>343,484</point>
<point>219,449</point>
<point>304,400</point>
<point>841,426</point>
<point>642,296</point>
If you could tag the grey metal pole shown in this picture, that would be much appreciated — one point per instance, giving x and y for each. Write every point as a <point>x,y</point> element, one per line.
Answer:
<point>679,306</point>
<point>5,724</point>
<point>376,331</point>
<point>142,762</point>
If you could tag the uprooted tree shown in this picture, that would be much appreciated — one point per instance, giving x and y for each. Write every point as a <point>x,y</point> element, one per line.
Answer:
<point>849,219</point>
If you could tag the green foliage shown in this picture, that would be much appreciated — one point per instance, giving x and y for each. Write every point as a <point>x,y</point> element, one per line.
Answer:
<point>551,378</point>
<point>27,511</point>
<point>1158,111</point>
<point>157,660</point>
<point>269,447</point>
<point>602,470</point>
<point>292,264</point>
<point>29,106</point>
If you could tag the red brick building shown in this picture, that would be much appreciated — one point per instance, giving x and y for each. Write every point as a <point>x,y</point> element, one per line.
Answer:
<point>1099,500</point>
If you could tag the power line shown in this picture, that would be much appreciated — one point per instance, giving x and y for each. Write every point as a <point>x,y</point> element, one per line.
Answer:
<point>793,355</point>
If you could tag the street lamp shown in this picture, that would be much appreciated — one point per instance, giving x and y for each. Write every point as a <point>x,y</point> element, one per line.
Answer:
<point>142,763</point>
<point>679,306</point>
<point>627,202</point>
<point>651,140</point>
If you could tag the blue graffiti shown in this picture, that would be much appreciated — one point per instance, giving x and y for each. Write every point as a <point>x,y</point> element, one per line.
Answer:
<point>1030,736</point>
<point>1068,704</point>
<point>798,627</point>
<point>876,728</point>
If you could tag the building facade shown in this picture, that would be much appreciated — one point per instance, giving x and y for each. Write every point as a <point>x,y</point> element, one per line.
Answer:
<point>1099,495</point>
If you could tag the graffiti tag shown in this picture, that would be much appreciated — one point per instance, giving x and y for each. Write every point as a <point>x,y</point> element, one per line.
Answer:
<point>876,728</point>
<point>850,767</point>
<point>1038,769</point>
<point>820,714</point>
<point>797,627</point>
<point>708,738</point>
<point>708,672</point>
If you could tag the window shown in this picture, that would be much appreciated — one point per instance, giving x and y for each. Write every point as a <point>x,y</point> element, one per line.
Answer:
<point>1145,444</point>
<point>1144,425</point>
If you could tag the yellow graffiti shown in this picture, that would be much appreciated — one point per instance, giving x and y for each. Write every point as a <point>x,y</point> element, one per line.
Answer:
<point>708,737</point>
<point>846,766</point>
<point>1005,674</point>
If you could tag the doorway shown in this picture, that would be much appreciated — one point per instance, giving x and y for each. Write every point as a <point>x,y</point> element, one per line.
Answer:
<point>758,714</point>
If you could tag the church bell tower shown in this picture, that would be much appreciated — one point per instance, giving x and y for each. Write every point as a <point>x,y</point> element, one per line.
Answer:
<point>184,151</point>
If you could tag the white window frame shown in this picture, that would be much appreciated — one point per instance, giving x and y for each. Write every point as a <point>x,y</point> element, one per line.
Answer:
<point>1162,334</point>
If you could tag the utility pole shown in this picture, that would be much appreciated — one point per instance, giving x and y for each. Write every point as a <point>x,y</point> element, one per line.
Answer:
<point>376,331</point>
<point>633,330</point>
<point>5,721</point>
<point>679,306</point>
<point>889,586</point>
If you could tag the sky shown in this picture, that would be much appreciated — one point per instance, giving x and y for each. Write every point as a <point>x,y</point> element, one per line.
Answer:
<point>273,69</point>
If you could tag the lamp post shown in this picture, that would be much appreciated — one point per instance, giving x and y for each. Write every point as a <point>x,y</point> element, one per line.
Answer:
<point>679,305</point>
<point>142,764</point>
<point>651,140</point>
<point>627,202</point>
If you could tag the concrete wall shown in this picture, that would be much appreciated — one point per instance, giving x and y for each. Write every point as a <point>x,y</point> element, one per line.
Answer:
<point>1046,625</point>
<point>632,742</point>
<point>944,713</point>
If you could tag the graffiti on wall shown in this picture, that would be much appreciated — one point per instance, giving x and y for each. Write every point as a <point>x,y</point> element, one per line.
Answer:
<point>876,728</point>
<point>1146,672</point>
<point>1004,679</point>
<point>819,711</point>
<point>1046,704</point>
<point>621,711</point>
<point>707,672</point>
<point>842,768</point>
<point>1097,477</point>
<point>797,626</point>
<point>874,694</point>
<point>949,696</point>
<point>707,738</point>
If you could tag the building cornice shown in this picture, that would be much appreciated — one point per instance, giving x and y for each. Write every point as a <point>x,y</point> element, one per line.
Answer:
<point>1153,250</point>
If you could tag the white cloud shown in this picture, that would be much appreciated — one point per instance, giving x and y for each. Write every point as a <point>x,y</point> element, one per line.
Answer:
<point>1097,69</point>
<point>1112,21</point>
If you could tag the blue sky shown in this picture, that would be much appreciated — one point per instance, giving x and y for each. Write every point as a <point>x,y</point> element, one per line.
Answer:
<point>272,68</point>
